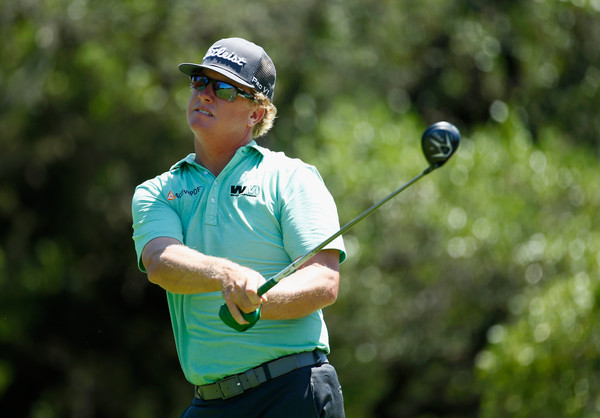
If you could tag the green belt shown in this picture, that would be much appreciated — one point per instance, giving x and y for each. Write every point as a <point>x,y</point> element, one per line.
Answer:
<point>237,384</point>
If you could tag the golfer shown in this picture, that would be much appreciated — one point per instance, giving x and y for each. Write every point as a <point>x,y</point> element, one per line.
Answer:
<point>220,221</point>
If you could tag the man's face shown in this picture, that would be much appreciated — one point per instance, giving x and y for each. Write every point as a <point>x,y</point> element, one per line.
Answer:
<point>214,119</point>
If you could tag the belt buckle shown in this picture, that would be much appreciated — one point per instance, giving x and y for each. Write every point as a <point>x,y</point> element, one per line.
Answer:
<point>230,387</point>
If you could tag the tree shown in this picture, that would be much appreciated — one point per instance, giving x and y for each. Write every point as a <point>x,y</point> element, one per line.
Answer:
<point>92,105</point>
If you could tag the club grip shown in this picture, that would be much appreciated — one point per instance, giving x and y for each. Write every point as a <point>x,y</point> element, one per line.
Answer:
<point>266,286</point>
<point>228,319</point>
<point>251,317</point>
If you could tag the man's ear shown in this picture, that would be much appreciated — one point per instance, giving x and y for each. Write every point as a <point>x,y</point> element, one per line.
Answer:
<point>257,114</point>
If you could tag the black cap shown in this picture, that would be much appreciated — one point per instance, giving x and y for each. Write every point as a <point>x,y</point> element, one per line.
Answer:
<point>240,61</point>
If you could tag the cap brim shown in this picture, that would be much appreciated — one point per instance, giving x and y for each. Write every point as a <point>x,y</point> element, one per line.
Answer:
<point>190,69</point>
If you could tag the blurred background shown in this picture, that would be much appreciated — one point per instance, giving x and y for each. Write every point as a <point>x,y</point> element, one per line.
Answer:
<point>473,294</point>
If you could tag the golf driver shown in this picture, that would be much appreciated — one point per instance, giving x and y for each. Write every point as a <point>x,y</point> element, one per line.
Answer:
<point>439,142</point>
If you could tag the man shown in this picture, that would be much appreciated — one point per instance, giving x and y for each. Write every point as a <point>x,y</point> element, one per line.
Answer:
<point>216,224</point>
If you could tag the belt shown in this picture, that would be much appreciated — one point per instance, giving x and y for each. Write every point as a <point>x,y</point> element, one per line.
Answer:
<point>237,384</point>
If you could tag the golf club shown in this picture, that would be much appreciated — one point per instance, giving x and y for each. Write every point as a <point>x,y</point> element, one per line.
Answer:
<point>439,142</point>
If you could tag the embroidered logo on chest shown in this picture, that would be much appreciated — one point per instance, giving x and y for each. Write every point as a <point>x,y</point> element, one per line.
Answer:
<point>178,195</point>
<point>250,191</point>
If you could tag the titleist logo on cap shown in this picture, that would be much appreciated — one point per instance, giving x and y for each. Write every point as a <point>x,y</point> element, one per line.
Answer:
<point>221,52</point>
<point>239,60</point>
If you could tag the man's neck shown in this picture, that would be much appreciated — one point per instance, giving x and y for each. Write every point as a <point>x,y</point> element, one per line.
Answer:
<point>215,158</point>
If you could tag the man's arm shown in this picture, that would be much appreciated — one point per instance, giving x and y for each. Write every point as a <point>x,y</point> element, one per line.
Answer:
<point>313,286</point>
<point>183,270</point>
<point>180,269</point>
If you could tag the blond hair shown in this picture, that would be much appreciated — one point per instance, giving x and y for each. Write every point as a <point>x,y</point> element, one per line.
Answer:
<point>266,123</point>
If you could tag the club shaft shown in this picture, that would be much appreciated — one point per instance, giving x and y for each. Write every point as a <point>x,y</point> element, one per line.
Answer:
<point>303,259</point>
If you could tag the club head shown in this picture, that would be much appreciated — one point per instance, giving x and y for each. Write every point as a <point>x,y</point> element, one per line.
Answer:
<point>439,142</point>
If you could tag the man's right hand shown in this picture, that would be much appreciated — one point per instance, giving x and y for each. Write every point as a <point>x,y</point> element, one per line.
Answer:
<point>183,270</point>
<point>240,291</point>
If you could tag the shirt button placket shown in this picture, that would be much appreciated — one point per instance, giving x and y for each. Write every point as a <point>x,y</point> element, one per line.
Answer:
<point>213,199</point>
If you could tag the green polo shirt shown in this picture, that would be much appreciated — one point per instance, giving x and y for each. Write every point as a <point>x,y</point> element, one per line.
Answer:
<point>262,211</point>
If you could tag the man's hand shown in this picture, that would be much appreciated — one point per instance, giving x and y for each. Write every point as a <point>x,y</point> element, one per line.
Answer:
<point>240,291</point>
<point>183,270</point>
<point>313,286</point>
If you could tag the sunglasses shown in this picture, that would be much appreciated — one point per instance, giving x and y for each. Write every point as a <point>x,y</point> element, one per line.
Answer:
<point>222,89</point>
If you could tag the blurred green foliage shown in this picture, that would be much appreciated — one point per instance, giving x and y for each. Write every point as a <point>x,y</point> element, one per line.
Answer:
<point>473,293</point>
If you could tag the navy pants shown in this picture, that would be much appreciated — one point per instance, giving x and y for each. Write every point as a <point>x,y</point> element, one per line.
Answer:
<point>312,391</point>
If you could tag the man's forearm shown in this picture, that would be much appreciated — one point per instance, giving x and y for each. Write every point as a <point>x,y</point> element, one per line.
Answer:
<point>180,269</point>
<point>309,289</point>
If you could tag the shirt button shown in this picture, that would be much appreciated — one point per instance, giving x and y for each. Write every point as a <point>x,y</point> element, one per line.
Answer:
<point>212,200</point>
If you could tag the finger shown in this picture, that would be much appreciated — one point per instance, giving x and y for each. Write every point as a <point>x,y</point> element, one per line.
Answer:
<point>250,307</point>
<point>238,299</point>
<point>235,312</point>
<point>252,290</point>
<point>244,300</point>
<point>253,298</point>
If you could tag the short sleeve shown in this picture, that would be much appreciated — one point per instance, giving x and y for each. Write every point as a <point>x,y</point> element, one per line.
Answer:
<point>153,217</point>
<point>308,214</point>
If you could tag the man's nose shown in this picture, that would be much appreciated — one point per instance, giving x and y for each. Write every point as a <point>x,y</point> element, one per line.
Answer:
<point>207,92</point>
